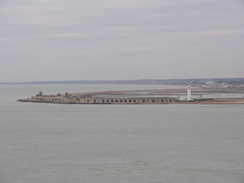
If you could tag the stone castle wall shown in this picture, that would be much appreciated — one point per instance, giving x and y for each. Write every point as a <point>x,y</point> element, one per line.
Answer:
<point>100,100</point>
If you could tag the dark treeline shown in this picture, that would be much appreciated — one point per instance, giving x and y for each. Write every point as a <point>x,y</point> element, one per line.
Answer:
<point>142,81</point>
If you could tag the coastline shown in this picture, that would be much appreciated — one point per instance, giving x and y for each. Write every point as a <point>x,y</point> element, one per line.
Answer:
<point>156,96</point>
<point>224,101</point>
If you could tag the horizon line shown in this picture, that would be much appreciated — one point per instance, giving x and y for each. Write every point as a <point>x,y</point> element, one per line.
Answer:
<point>117,80</point>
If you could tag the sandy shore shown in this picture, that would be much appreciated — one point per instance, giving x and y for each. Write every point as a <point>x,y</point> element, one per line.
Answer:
<point>195,91</point>
<point>170,91</point>
<point>215,101</point>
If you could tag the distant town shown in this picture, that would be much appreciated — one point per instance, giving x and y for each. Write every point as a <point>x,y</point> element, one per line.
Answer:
<point>205,83</point>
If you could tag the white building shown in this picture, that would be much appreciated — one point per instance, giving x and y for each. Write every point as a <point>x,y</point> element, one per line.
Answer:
<point>188,95</point>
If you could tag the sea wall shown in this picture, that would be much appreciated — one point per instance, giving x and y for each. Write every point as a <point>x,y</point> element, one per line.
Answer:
<point>127,100</point>
<point>98,100</point>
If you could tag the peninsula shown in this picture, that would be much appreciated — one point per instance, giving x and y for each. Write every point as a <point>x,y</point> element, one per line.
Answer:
<point>161,96</point>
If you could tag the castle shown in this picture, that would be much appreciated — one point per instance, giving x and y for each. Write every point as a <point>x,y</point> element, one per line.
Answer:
<point>98,99</point>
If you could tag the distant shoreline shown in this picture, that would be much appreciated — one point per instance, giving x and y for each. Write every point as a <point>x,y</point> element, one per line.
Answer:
<point>236,82</point>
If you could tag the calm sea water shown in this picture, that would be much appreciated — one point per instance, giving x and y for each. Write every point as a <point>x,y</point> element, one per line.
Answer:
<point>54,143</point>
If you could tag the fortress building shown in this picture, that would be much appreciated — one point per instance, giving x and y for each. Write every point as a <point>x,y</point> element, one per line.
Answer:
<point>99,99</point>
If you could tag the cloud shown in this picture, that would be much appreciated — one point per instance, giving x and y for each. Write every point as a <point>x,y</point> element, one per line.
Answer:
<point>105,34</point>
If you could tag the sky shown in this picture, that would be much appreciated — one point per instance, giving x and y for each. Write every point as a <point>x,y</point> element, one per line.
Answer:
<point>48,40</point>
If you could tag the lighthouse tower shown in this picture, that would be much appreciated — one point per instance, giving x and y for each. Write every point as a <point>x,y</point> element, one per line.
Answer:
<point>188,97</point>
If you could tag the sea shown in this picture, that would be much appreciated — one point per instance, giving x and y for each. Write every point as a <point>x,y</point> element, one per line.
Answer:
<point>75,143</point>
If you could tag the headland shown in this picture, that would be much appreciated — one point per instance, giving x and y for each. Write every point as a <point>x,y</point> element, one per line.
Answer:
<point>160,96</point>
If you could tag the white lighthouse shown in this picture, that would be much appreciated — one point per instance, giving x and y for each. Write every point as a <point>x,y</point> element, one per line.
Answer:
<point>188,97</point>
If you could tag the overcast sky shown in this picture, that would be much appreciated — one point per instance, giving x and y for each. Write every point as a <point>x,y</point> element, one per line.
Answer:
<point>45,40</point>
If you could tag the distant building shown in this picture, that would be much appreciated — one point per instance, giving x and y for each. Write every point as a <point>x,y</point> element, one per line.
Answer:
<point>106,99</point>
<point>188,95</point>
